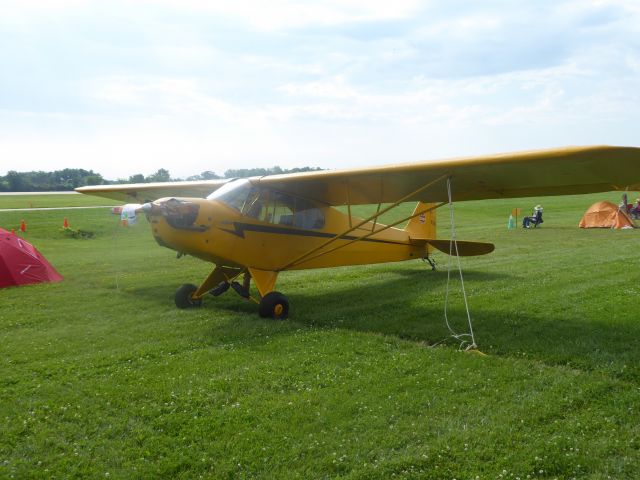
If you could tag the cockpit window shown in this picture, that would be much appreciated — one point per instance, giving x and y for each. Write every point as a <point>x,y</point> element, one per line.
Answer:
<point>270,206</point>
<point>234,193</point>
<point>283,209</point>
<point>307,215</point>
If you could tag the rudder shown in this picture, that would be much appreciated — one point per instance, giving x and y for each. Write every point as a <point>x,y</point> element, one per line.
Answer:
<point>423,225</point>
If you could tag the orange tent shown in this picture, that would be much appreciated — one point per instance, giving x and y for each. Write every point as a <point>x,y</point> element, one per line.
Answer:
<point>605,215</point>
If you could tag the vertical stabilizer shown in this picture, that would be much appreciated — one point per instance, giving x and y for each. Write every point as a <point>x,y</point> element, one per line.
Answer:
<point>424,225</point>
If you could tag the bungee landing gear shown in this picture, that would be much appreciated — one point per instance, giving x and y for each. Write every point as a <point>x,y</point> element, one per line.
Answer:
<point>272,304</point>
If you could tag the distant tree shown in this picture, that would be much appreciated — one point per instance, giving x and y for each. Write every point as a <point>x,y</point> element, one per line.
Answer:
<point>161,175</point>
<point>93,180</point>
<point>260,172</point>
<point>206,175</point>
<point>15,181</point>
<point>70,178</point>
<point>137,178</point>
<point>40,181</point>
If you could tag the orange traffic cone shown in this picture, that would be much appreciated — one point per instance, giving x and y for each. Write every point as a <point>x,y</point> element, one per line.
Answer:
<point>13,231</point>
<point>23,226</point>
<point>65,224</point>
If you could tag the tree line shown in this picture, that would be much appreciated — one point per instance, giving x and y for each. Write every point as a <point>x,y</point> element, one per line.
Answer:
<point>70,178</point>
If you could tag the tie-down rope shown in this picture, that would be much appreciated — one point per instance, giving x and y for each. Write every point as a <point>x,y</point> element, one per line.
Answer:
<point>467,340</point>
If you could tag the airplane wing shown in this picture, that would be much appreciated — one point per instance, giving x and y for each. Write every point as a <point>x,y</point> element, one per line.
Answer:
<point>560,171</point>
<point>144,192</point>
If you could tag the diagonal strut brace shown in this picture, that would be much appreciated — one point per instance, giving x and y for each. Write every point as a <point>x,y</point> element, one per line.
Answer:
<point>376,215</point>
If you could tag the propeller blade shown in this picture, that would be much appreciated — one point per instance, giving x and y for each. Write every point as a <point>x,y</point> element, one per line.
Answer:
<point>128,214</point>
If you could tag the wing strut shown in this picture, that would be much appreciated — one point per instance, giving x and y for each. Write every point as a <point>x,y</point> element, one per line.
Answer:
<point>305,256</point>
<point>364,237</point>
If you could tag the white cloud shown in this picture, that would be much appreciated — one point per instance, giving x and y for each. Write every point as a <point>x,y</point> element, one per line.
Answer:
<point>286,14</point>
<point>209,85</point>
<point>161,96</point>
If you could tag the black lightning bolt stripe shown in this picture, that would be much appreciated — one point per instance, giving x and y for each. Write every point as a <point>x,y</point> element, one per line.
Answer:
<point>240,228</point>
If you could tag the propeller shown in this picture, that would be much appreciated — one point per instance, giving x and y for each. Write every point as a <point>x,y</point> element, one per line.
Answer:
<point>128,215</point>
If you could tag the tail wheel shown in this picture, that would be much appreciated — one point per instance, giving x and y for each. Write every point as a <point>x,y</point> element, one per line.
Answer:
<point>274,305</point>
<point>184,296</point>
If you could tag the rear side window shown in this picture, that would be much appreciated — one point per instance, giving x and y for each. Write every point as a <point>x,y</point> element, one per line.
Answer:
<point>307,215</point>
<point>283,209</point>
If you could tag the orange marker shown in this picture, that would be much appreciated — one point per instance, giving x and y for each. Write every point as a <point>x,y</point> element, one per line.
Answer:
<point>23,226</point>
<point>65,224</point>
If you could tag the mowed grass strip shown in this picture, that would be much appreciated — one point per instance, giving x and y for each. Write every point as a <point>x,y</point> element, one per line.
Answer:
<point>53,201</point>
<point>100,375</point>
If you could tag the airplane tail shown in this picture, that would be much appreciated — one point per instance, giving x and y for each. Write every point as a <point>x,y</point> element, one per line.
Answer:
<point>422,228</point>
<point>424,225</point>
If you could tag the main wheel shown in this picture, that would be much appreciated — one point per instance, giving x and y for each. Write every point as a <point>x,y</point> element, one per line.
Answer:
<point>274,305</point>
<point>184,297</point>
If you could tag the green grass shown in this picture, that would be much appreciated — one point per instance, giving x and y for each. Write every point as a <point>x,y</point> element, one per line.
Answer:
<point>100,375</point>
<point>53,201</point>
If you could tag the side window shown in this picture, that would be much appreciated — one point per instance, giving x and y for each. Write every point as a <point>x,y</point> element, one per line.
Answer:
<point>254,204</point>
<point>282,206</point>
<point>308,215</point>
<point>265,205</point>
<point>283,209</point>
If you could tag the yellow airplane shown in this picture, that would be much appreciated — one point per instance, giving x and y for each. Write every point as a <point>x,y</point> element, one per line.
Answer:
<point>261,226</point>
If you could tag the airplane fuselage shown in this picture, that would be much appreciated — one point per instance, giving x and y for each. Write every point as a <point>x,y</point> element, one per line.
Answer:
<point>223,235</point>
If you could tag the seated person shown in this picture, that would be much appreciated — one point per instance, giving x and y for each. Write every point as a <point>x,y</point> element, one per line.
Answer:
<point>624,207</point>
<point>635,211</point>
<point>535,219</point>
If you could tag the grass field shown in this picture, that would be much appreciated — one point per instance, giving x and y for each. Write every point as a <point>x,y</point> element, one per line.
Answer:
<point>52,201</point>
<point>101,376</point>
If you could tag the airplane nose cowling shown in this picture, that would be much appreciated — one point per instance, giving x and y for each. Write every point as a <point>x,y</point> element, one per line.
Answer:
<point>180,223</point>
<point>181,214</point>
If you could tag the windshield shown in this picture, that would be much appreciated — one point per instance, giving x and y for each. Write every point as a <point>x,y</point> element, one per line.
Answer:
<point>233,193</point>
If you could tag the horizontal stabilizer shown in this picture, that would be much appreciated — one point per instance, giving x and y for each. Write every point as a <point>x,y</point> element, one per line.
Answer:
<point>465,249</point>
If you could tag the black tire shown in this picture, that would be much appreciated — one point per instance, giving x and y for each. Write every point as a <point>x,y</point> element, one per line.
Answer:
<point>183,297</point>
<point>274,305</point>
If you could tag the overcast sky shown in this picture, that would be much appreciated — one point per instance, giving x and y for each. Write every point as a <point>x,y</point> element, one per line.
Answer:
<point>194,85</point>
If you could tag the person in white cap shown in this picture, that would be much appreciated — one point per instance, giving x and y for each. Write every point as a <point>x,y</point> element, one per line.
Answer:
<point>535,218</point>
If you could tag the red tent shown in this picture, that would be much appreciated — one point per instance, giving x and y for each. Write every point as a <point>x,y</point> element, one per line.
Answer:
<point>21,263</point>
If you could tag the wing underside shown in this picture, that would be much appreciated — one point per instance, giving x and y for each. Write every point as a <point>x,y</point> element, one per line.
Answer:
<point>146,192</point>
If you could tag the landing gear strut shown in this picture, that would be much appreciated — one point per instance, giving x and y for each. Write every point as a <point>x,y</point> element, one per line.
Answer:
<point>431,262</point>
<point>272,305</point>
